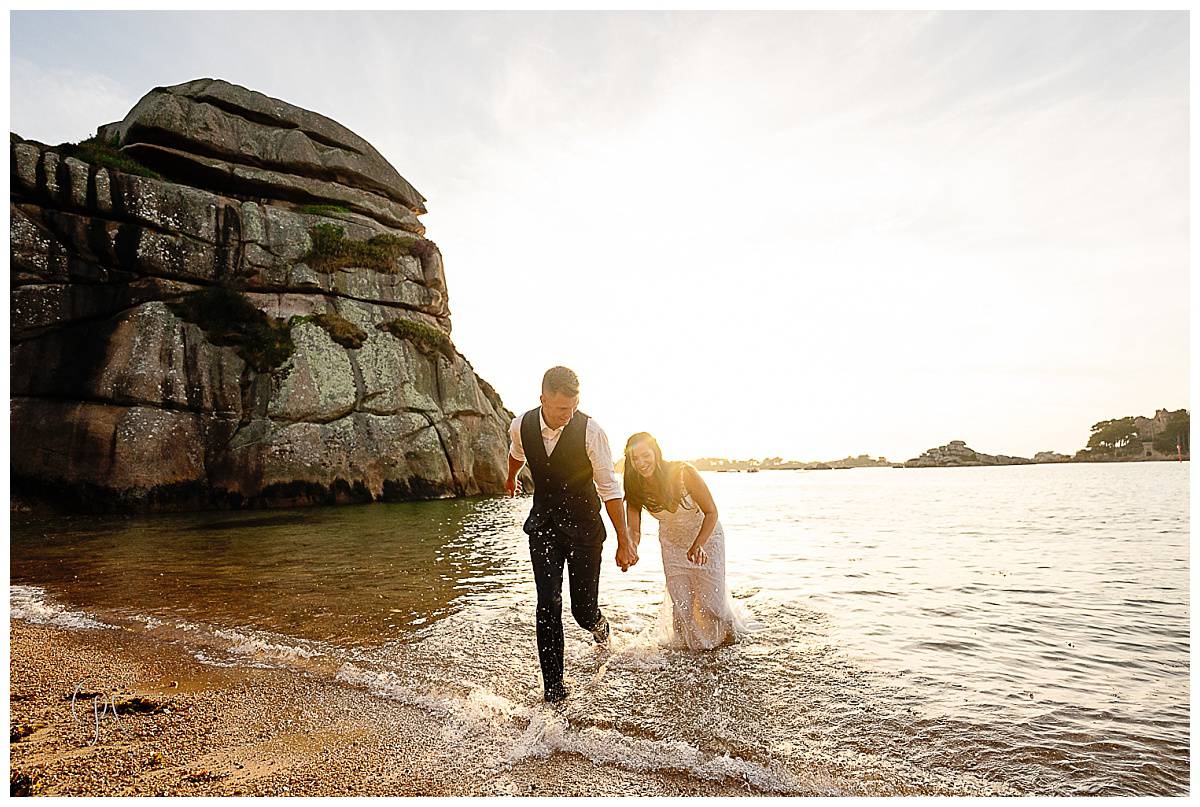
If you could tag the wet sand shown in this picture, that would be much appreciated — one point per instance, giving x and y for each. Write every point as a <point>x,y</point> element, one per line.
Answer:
<point>248,731</point>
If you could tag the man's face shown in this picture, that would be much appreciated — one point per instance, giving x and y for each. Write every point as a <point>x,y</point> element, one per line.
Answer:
<point>557,408</point>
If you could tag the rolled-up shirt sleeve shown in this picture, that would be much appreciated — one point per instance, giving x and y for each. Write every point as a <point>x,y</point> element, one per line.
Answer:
<point>516,450</point>
<point>603,473</point>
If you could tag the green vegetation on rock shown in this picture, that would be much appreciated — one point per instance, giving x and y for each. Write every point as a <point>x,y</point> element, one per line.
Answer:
<point>96,151</point>
<point>340,329</point>
<point>422,335</point>
<point>324,210</point>
<point>227,317</point>
<point>331,250</point>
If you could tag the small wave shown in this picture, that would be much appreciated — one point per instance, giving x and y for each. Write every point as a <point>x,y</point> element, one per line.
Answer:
<point>205,658</point>
<point>253,648</point>
<point>948,645</point>
<point>33,604</point>
<point>549,732</point>
<point>244,644</point>
<point>1150,602</point>
<point>525,731</point>
<point>230,647</point>
<point>388,685</point>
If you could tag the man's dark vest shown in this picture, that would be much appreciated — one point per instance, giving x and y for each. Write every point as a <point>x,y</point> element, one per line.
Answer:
<point>564,495</point>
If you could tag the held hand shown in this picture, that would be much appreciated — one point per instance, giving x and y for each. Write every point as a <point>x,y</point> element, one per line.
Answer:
<point>513,487</point>
<point>697,555</point>
<point>626,557</point>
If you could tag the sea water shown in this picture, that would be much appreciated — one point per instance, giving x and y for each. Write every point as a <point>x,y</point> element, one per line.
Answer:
<point>1011,630</point>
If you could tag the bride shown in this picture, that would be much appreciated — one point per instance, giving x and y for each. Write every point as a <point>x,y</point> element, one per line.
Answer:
<point>698,613</point>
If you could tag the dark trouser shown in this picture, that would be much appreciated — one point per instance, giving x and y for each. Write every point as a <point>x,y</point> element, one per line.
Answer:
<point>548,551</point>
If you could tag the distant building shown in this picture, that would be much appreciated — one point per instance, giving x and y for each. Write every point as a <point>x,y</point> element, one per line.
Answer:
<point>1148,430</point>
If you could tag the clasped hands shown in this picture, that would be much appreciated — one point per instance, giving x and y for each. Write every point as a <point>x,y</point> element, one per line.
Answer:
<point>626,556</point>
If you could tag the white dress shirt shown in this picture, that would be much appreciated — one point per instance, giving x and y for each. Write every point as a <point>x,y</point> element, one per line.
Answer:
<point>600,455</point>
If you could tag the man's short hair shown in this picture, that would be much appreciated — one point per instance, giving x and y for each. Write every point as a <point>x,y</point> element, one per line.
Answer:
<point>561,380</point>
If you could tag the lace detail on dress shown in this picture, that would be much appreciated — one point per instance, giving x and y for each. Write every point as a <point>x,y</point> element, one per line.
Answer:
<point>697,611</point>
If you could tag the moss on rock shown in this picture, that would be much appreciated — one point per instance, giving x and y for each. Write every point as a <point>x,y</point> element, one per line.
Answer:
<point>340,329</point>
<point>331,250</point>
<point>324,210</point>
<point>97,151</point>
<point>423,336</point>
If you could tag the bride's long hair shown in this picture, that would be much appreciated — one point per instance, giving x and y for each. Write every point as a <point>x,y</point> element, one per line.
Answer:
<point>664,489</point>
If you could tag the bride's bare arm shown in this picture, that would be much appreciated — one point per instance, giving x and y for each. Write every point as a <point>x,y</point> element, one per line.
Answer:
<point>633,517</point>
<point>700,492</point>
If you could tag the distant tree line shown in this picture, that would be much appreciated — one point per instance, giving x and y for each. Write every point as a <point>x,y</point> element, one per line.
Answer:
<point>1121,437</point>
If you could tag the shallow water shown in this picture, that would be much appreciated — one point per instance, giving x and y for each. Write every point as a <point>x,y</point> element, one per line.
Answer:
<point>1010,630</point>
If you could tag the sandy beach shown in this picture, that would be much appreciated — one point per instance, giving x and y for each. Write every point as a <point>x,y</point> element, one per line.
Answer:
<point>239,731</point>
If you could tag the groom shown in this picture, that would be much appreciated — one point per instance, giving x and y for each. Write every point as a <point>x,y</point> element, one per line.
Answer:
<point>572,468</point>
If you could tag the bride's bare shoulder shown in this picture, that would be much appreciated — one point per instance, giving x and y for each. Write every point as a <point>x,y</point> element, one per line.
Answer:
<point>695,485</point>
<point>689,476</point>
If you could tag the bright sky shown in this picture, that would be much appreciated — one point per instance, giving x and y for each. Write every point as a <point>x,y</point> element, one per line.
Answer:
<point>779,234</point>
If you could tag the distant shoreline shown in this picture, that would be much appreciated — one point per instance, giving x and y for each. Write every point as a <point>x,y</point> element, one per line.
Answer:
<point>741,466</point>
<point>1071,461</point>
<point>1162,438</point>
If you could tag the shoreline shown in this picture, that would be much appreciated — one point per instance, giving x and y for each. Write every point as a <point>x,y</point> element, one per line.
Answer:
<point>219,731</point>
<point>27,506</point>
<point>1114,461</point>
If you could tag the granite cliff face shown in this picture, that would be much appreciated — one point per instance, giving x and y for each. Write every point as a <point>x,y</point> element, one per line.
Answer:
<point>226,300</point>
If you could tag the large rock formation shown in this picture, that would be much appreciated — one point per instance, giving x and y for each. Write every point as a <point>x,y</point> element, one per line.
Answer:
<point>956,453</point>
<point>226,300</point>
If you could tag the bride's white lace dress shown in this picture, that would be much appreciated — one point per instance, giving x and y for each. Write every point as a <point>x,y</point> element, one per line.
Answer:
<point>697,612</point>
